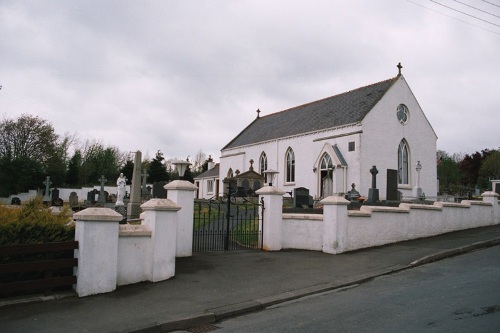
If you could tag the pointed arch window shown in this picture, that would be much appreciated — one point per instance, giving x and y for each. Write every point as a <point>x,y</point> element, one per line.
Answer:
<point>262,163</point>
<point>403,159</point>
<point>290,166</point>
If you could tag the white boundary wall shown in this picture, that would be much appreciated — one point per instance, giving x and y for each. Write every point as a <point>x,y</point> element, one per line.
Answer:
<point>339,230</point>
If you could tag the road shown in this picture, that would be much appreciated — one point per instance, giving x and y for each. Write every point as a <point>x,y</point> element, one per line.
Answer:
<point>459,294</point>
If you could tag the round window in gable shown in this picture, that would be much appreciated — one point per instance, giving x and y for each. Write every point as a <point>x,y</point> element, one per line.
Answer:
<point>403,114</point>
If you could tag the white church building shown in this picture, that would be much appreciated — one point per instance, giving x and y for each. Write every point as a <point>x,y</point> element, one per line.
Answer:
<point>329,144</point>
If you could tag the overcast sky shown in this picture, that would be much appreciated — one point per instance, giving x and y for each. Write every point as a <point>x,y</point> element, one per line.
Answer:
<point>184,76</point>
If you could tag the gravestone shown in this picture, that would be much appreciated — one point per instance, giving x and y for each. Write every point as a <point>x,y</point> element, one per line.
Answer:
<point>73,200</point>
<point>159,190</point>
<point>15,201</point>
<point>373,195</point>
<point>353,194</point>
<point>46,196</point>
<point>144,190</point>
<point>497,188</point>
<point>392,185</point>
<point>301,197</point>
<point>54,197</point>
<point>102,195</point>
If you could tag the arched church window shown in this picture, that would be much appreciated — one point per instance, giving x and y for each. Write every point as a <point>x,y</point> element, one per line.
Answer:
<point>290,166</point>
<point>230,173</point>
<point>262,163</point>
<point>403,159</point>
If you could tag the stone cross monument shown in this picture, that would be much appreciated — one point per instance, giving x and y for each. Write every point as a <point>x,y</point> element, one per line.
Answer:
<point>102,196</point>
<point>47,183</point>
<point>373,195</point>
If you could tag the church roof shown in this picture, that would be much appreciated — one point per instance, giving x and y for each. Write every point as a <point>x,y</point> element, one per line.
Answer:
<point>342,109</point>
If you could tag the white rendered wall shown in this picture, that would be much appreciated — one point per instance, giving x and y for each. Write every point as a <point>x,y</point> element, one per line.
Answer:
<point>134,254</point>
<point>382,134</point>
<point>303,232</point>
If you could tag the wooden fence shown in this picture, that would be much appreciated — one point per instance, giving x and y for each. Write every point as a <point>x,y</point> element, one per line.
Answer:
<point>48,266</point>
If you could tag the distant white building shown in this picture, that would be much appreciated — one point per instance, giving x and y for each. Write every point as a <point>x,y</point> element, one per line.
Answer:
<point>329,144</point>
<point>208,182</point>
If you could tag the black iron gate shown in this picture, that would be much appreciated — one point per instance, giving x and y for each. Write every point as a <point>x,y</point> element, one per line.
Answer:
<point>230,223</point>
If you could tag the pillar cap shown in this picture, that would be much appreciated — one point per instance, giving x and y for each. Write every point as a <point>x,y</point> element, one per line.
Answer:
<point>160,204</point>
<point>335,200</point>
<point>270,190</point>
<point>100,214</point>
<point>490,194</point>
<point>182,185</point>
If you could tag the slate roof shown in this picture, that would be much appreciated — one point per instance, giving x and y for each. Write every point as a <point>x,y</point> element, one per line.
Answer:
<point>346,108</point>
<point>214,172</point>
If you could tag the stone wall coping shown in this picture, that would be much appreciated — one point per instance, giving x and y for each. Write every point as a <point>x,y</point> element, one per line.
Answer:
<point>130,230</point>
<point>480,203</point>
<point>270,190</point>
<point>358,213</point>
<point>99,214</point>
<point>421,206</point>
<point>463,204</point>
<point>384,209</point>
<point>335,200</point>
<point>490,194</point>
<point>180,185</point>
<point>160,204</point>
<point>295,216</point>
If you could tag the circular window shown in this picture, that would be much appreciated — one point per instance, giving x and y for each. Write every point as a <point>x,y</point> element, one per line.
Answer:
<point>402,114</point>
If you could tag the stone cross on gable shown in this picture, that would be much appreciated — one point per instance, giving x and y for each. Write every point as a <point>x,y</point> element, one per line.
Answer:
<point>144,190</point>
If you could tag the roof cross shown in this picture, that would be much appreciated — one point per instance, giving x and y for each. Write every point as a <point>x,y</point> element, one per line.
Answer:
<point>258,113</point>
<point>399,68</point>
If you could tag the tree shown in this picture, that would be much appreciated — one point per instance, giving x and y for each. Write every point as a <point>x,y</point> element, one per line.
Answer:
<point>198,162</point>
<point>470,166</point>
<point>74,165</point>
<point>97,161</point>
<point>30,150</point>
<point>448,174</point>
<point>490,169</point>
<point>157,170</point>
<point>128,169</point>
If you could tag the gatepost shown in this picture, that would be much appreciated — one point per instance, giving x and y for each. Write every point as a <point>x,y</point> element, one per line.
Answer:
<point>182,192</point>
<point>97,235</point>
<point>492,198</point>
<point>272,198</point>
<point>334,224</point>
<point>160,215</point>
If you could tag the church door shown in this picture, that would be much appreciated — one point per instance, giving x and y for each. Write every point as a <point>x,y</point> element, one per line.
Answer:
<point>326,176</point>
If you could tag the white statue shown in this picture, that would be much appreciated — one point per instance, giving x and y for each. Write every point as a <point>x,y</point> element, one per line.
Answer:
<point>121,182</point>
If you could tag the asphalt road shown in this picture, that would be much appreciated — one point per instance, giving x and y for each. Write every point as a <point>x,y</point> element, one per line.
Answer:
<point>459,294</point>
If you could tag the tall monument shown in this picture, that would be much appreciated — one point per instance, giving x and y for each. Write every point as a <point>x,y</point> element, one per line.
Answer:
<point>134,205</point>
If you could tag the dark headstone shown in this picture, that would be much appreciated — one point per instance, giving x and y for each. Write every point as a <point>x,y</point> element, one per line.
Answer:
<point>353,194</point>
<point>300,197</point>
<point>392,185</point>
<point>54,195</point>
<point>15,201</point>
<point>497,188</point>
<point>58,202</point>
<point>159,191</point>
<point>373,195</point>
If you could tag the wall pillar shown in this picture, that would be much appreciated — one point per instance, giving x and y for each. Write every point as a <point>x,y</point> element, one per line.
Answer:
<point>492,197</point>
<point>97,235</point>
<point>272,227</point>
<point>334,224</point>
<point>161,216</point>
<point>182,192</point>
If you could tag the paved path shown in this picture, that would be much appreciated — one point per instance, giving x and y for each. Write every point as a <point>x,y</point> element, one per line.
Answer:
<point>211,286</point>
